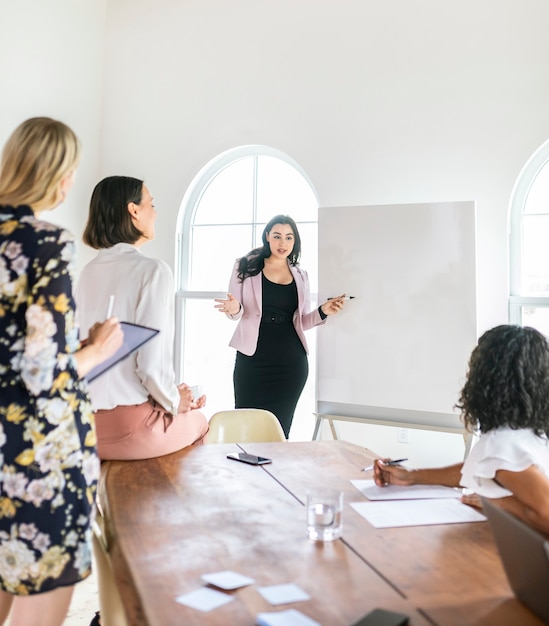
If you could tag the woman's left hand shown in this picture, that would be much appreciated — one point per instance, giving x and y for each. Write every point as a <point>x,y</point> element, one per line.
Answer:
<point>334,305</point>
<point>185,398</point>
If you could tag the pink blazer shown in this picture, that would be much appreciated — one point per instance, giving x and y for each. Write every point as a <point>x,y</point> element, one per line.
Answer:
<point>249,294</point>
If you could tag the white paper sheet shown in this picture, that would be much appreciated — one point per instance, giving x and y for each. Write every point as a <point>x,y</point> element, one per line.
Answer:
<point>284,593</point>
<point>369,489</point>
<point>394,513</point>
<point>227,580</point>
<point>204,599</point>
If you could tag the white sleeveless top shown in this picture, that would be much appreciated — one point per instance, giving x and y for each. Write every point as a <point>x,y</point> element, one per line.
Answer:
<point>503,449</point>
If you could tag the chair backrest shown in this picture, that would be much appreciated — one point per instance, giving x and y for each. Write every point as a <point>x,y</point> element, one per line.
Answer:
<point>244,425</point>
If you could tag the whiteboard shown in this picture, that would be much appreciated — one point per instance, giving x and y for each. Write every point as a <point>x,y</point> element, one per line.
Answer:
<point>405,340</point>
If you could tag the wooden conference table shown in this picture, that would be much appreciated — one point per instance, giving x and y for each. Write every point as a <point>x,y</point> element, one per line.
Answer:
<point>170,520</point>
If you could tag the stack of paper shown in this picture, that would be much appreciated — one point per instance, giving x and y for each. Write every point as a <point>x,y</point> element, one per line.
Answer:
<point>417,505</point>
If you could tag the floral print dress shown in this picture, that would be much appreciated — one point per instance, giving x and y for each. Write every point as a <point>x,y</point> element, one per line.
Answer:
<point>48,462</point>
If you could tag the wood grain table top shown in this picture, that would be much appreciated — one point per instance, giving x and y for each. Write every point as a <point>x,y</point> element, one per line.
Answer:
<point>172,519</point>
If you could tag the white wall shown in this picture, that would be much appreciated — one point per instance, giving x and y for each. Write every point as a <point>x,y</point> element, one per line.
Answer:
<point>379,102</point>
<point>387,102</point>
<point>51,64</point>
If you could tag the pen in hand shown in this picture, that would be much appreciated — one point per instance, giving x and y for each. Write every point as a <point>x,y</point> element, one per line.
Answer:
<point>395,462</point>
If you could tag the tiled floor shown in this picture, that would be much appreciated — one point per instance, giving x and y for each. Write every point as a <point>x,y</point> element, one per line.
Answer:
<point>85,602</point>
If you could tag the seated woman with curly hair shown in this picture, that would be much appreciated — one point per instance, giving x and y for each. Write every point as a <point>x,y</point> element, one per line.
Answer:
<point>506,400</point>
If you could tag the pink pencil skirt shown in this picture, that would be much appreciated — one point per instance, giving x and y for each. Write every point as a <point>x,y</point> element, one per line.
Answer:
<point>145,431</point>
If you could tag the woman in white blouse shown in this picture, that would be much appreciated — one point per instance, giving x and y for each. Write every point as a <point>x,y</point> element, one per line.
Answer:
<point>140,411</point>
<point>506,399</point>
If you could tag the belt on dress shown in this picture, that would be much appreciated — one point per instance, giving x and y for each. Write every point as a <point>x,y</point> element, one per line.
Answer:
<point>276,318</point>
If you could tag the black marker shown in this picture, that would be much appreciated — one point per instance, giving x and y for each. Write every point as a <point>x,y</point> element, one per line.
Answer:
<point>343,298</point>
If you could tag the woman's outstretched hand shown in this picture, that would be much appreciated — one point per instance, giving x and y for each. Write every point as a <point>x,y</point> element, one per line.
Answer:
<point>229,306</point>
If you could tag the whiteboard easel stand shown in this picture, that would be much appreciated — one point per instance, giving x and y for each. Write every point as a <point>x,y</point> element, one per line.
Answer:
<point>387,421</point>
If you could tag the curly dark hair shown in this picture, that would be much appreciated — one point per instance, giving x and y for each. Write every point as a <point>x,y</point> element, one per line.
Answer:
<point>507,381</point>
<point>254,261</point>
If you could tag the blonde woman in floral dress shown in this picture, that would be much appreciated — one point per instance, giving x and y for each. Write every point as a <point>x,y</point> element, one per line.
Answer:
<point>48,462</point>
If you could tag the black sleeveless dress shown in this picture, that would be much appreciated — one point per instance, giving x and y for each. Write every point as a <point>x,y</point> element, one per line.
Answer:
<point>274,376</point>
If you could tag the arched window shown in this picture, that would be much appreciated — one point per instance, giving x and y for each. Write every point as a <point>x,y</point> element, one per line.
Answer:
<point>529,244</point>
<point>221,218</point>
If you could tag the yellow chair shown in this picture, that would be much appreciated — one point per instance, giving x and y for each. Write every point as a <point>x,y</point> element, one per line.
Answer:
<point>244,425</point>
<point>110,603</point>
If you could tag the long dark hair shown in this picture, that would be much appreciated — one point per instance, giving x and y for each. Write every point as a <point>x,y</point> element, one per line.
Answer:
<point>109,221</point>
<point>508,381</point>
<point>254,261</point>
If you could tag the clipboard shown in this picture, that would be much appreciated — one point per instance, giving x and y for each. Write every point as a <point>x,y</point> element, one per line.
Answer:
<point>134,337</point>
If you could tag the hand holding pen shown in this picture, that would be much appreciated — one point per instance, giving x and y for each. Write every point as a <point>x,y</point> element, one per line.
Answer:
<point>98,325</point>
<point>387,472</point>
<point>104,339</point>
<point>333,305</point>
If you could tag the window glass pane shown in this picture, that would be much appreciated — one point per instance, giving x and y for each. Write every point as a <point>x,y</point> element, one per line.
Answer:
<point>309,252</point>
<point>537,317</point>
<point>208,360</point>
<point>228,198</point>
<point>258,230</point>
<point>537,200</point>
<point>282,189</point>
<point>535,255</point>
<point>213,253</point>
<point>529,252</point>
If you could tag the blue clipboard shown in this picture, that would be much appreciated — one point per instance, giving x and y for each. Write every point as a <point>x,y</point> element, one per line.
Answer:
<point>134,337</point>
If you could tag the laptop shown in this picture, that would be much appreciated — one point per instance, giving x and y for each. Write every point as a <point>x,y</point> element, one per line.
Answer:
<point>134,337</point>
<point>524,553</point>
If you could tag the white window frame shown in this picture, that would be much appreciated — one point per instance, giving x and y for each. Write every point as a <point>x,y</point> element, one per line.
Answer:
<point>517,302</point>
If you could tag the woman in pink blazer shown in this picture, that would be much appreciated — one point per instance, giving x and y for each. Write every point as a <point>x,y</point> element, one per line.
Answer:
<point>269,296</point>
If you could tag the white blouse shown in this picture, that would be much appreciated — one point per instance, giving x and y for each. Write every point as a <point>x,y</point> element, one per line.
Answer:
<point>144,294</point>
<point>502,449</point>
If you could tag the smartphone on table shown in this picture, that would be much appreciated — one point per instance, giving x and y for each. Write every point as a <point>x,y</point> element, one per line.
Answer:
<point>252,459</point>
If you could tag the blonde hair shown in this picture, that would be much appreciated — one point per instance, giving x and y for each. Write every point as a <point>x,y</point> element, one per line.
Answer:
<point>39,154</point>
